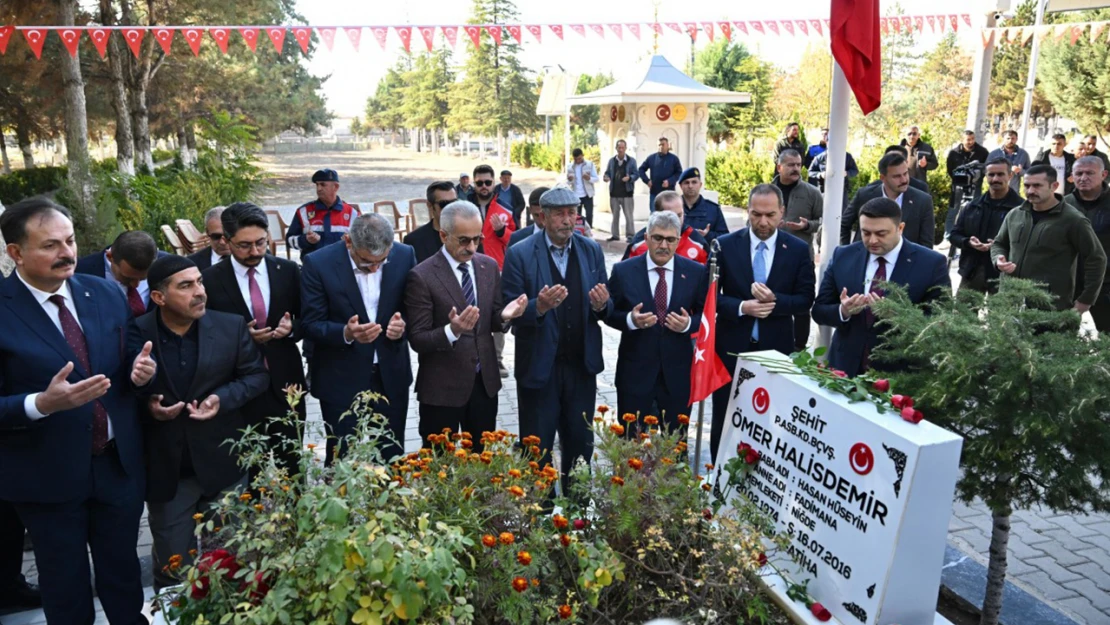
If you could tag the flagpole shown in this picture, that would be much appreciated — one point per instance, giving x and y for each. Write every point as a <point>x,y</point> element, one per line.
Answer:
<point>714,248</point>
<point>835,178</point>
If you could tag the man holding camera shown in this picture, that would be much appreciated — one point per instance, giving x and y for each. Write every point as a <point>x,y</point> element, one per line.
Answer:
<point>966,151</point>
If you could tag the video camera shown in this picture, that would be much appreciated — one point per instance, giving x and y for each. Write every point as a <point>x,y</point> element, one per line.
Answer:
<point>969,175</point>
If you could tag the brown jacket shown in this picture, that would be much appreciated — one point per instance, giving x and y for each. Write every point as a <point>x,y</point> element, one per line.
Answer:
<point>445,377</point>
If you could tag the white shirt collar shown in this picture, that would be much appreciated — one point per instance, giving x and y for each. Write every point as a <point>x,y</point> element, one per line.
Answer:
<point>42,297</point>
<point>891,256</point>
<point>216,258</point>
<point>454,264</point>
<point>241,269</point>
<point>652,266</point>
<point>771,240</point>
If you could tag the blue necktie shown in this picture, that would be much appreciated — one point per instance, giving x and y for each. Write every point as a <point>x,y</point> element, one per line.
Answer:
<point>468,293</point>
<point>759,272</point>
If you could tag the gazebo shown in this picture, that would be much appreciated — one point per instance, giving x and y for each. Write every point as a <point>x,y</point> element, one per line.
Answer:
<point>657,100</point>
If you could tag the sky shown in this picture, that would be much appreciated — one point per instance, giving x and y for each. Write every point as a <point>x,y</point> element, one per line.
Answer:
<point>354,75</point>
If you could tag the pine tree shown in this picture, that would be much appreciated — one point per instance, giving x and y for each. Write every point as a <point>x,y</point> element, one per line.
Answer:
<point>731,66</point>
<point>1029,395</point>
<point>1075,80</point>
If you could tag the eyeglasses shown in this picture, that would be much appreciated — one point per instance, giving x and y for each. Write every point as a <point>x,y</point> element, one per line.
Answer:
<point>444,203</point>
<point>466,241</point>
<point>215,236</point>
<point>247,246</point>
<point>913,134</point>
<point>483,183</point>
<point>658,238</point>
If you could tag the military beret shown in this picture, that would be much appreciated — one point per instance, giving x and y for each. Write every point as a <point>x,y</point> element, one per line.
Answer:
<point>691,172</point>
<point>165,267</point>
<point>325,175</point>
<point>559,197</point>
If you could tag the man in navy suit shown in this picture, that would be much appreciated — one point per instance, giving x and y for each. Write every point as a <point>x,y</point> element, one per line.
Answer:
<point>766,279</point>
<point>558,338</point>
<point>219,250</point>
<point>126,263</point>
<point>352,296</point>
<point>854,277</point>
<point>71,455</point>
<point>895,183</point>
<point>657,302</point>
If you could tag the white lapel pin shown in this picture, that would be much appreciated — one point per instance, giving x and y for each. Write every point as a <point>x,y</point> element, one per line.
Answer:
<point>87,294</point>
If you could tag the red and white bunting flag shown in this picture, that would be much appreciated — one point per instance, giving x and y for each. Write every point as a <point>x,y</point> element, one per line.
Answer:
<point>578,28</point>
<point>616,28</point>
<point>304,37</point>
<point>1027,36</point>
<point>726,29</point>
<point>558,30</point>
<point>988,34</point>
<point>1058,32</point>
<point>657,27</point>
<point>758,27</point>
<point>1042,32</point>
<point>328,35</point>
<point>354,35</point>
<point>71,38</point>
<point>429,35</point>
<point>907,23</point>
<point>954,22</point>
<point>277,37</point>
<point>495,32</point>
<point>475,34</point>
<point>250,36</point>
<point>5,38</point>
<point>773,26</point>
<point>1096,31</point>
<point>99,37</point>
<point>452,34</point>
<point>634,29</point>
<point>709,29</point>
<point>967,18</point>
<point>691,30</point>
<point>741,26</point>
<point>220,35</point>
<point>932,23</point>
<point>675,27</point>
<point>802,26</point>
<point>536,32</point>
<point>599,29</point>
<point>816,25</point>
<point>1015,33</point>
<point>919,23</point>
<point>884,25</point>
<point>942,23</point>
<point>194,37</point>
<point>1076,32</point>
<point>35,37</point>
<point>164,37</point>
<point>788,26</point>
<point>405,33</point>
<point>514,30</point>
<point>828,25</point>
<point>896,24</point>
<point>380,33</point>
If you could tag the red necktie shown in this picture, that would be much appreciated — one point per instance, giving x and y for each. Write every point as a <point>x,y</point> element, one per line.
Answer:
<point>869,317</point>
<point>135,302</point>
<point>76,340</point>
<point>661,294</point>
<point>258,304</point>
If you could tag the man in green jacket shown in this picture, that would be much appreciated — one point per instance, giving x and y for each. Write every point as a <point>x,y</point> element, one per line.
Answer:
<point>1043,239</point>
<point>1092,198</point>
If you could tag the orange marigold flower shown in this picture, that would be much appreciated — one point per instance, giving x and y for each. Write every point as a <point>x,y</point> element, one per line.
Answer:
<point>520,584</point>
<point>651,420</point>
<point>628,417</point>
<point>446,431</point>
<point>495,479</point>
<point>618,480</point>
<point>456,436</point>
<point>516,491</point>
<point>565,539</point>
<point>192,553</point>
<point>460,454</point>
<point>515,473</point>
<point>536,451</point>
<point>262,490</point>
<point>450,447</point>
<point>540,484</point>
<point>524,558</point>
<point>598,419</point>
<point>424,451</point>
<point>530,440</point>
<point>535,581</point>
<point>709,466</point>
<point>603,409</point>
<point>259,507</point>
<point>417,475</point>
<point>550,472</point>
<point>565,612</point>
<point>535,465</point>
<point>486,457</point>
<point>617,429</point>
<point>245,497</point>
<point>311,446</point>
<point>560,521</point>
<point>683,419</point>
<point>467,436</point>
<point>666,460</point>
<point>198,517</point>
<point>442,475</point>
<point>507,538</point>
<point>466,443</point>
<point>635,463</point>
<point>175,561</point>
<point>489,540</point>
<point>706,487</point>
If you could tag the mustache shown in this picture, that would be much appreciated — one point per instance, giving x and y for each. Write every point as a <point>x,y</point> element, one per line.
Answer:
<point>65,262</point>
<point>200,299</point>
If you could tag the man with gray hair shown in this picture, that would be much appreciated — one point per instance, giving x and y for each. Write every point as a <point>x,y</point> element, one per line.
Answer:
<point>1092,198</point>
<point>219,249</point>
<point>804,207</point>
<point>454,303</point>
<point>657,302</point>
<point>352,297</point>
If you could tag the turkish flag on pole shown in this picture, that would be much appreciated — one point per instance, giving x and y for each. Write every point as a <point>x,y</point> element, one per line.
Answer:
<point>856,47</point>
<point>708,373</point>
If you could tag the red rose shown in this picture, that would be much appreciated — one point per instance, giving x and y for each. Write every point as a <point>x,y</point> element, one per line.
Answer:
<point>907,413</point>
<point>915,415</point>
<point>820,612</point>
<point>751,457</point>
<point>707,514</point>
<point>762,559</point>
<point>579,524</point>
<point>259,587</point>
<point>219,560</point>
<point>742,449</point>
<point>882,385</point>
<point>838,373</point>
<point>898,401</point>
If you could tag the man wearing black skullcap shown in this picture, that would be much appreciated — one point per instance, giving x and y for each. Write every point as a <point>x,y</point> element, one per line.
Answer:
<point>320,223</point>
<point>209,368</point>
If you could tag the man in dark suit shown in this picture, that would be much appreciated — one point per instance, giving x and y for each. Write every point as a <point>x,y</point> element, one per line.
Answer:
<point>916,206</point>
<point>854,277</point>
<point>210,369</point>
<point>766,279</point>
<point>352,297</point>
<point>71,455</point>
<point>454,303</point>
<point>558,338</point>
<point>214,230</point>
<point>692,244</point>
<point>425,241</point>
<point>266,292</point>
<point>657,302</point>
<point>125,263</point>
<point>535,213</point>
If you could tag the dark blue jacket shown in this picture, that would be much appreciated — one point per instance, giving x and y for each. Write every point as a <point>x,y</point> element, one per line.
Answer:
<point>49,460</point>
<point>643,353</point>
<point>921,270</point>
<point>329,298</point>
<point>792,279</point>
<point>706,213</point>
<point>528,270</point>
<point>93,264</point>
<point>663,167</point>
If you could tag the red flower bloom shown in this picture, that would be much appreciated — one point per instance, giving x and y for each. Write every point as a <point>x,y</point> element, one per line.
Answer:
<point>559,521</point>
<point>565,539</point>
<point>882,385</point>
<point>219,561</point>
<point>580,524</point>
<point>762,559</point>
<point>901,401</point>
<point>915,416</point>
<point>258,586</point>
<point>820,612</point>
<point>742,449</point>
<point>603,409</point>
<point>489,540</point>
<point>524,558</point>
<point>635,463</point>
<point>565,612</point>
<point>707,514</point>
<point>838,373</point>
<point>751,457</point>
<point>520,584</point>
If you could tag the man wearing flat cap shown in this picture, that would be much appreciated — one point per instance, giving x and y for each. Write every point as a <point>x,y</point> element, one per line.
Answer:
<point>558,337</point>
<point>320,223</point>
<point>702,214</point>
<point>208,370</point>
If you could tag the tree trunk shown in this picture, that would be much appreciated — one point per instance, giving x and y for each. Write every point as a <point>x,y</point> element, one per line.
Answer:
<point>5,164</point>
<point>23,138</point>
<point>125,152</point>
<point>76,119</point>
<point>183,149</point>
<point>191,144</point>
<point>996,570</point>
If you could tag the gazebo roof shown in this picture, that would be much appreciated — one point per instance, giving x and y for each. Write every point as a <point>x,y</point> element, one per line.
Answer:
<point>659,81</point>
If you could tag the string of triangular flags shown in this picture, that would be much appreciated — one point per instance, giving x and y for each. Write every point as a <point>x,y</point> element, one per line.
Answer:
<point>194,36</point>
<point>1024,34</point>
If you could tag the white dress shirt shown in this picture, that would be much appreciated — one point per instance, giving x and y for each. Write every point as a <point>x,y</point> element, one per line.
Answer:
<point>873,266</point>
<point>143,288</point>
<point>653,281</point>
<point>454,264</point>
<point>216,258</point>
<point>579,184</point>
<point>898,199</point>
<point>261,276</point>
<point>370,286</point>
<point>768,254</point>
<point>43,298</point>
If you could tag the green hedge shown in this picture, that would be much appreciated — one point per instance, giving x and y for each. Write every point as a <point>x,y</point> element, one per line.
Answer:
<point>25,183</point>
<point>734,173</point>
<point>539,155</point>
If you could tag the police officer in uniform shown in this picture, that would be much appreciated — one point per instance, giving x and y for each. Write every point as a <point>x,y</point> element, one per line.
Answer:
<point>702,215</point>
<point>320,223</point>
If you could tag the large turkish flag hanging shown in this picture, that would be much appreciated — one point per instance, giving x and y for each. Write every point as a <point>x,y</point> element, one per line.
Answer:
<point>856,46</point>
